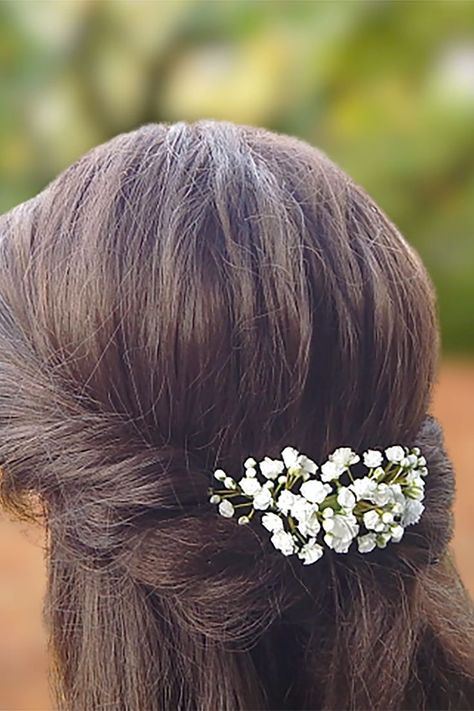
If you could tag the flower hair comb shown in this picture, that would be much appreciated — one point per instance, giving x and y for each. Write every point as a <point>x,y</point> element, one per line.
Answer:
<point>306,506</point>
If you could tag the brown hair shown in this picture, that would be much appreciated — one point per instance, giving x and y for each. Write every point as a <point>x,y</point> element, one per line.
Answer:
<point>179,298</point>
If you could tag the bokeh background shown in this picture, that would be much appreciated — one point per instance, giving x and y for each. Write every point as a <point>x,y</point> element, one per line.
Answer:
<point>386,89</point>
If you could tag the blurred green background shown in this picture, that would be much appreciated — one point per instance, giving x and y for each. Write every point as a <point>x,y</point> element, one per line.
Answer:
<point>385,88</point>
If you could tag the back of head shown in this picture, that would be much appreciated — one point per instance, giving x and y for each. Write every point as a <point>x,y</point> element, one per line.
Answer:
<point>179,298</point>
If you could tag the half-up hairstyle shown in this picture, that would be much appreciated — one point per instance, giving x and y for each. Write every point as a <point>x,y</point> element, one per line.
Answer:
<point>182,297</point>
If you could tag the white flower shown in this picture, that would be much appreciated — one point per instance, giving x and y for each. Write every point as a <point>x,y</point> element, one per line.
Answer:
<point>250,462</point>
<point>229,483</point>
<point>242,520</point>
<point>315,491</point>
<point>397,532</point>
<point>373,521</point>
<point>337,463</point>
<point>382,495</point>
<point>330,471</point>
<point>307,517</point>
<point>395,454</point>
<point>220,474</point>
<point>263,499</point>
<point>272,522</point>
<point>285,501</point>
<point>372,459</point>
<point>215,498</point>
<point>412,512</point>
<point>250,486</point>
<point>250,471</point>
<point>290,457</point>
<point>412,460</point>
<point>344,457</point>
<point>307,464</point>
<point>340,531</point>
<point>382,539</point>
<point>346,498</point>
<point>271,468</point>
<point>284,542</point>
<point>398,499</point>
<point>366,543</point>
<point>364,488</point>
<point>328,512</point>
<point>416,486</point>
<point>310,552</point>
<point>226,508</point>
<point>300,507</point>
<point>294,460</point>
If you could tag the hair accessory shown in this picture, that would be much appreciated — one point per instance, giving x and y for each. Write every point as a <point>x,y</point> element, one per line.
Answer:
<point>306,505</point>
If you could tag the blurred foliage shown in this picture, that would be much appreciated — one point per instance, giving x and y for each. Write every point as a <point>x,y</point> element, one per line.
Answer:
<point>385,88</point>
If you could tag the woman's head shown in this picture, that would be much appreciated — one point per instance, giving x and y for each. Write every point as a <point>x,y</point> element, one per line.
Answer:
<point>180,297</point>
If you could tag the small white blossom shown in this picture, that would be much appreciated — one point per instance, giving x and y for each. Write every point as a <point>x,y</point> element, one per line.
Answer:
<point>284,542</point>
<point>272,522</point>
<point>330,471</point>
<point>382,539</point>
<point>220,474</point>
<point>340,531</point>
<point>250,462</point>
<point>372,459</point>
<point>250,486</point>
<point>315,491</point>
<point>307,464</point>
<point>310,552</point>
<point>395,454</point>
<point>282,479</point>
<point>294,460</point>
<point>412,512</point>
<point>215,498</point>
<point>344,457</point>
<point>397,532</point>
<point>262,499</point>
<point>411,461</point>
<point>328,512</point>
<point>229,483</point>
<point>271,468</point>
<point>301,506</point>
<point>290,457</point>
<point>250,472</point>
<point>307,517</point>
<point>373,521</point>
<point>364,488</point>
<point>242,520</point>
<point>346,498</point>
<point>226,508</point>
<point>366,543</point>
<point>387,517</point>
<point>416,486</point>
<point>382,495</point>
<point>285,501</point>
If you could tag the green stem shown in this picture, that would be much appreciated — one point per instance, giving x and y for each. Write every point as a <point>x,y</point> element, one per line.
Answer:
<point>295,530</point>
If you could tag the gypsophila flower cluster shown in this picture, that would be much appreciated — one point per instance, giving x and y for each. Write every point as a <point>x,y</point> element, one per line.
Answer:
<point>305,507</point>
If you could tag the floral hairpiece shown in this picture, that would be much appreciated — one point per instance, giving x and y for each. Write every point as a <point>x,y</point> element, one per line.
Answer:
<point>303,508</point>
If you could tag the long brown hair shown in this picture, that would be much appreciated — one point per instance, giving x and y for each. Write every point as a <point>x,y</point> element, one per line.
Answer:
<point>181,297</point>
